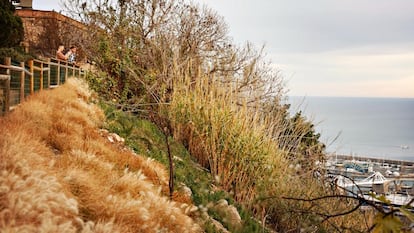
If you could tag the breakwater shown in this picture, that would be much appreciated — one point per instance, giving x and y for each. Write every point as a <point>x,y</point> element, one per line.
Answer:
<point>370,159</point>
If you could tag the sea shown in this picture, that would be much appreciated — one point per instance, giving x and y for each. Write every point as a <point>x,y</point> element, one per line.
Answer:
<point>365,127</point>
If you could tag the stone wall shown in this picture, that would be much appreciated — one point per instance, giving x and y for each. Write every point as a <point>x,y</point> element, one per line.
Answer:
<point>44,31</point>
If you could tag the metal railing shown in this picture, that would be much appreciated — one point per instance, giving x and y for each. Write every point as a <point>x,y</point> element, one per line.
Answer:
<point>19,79</point>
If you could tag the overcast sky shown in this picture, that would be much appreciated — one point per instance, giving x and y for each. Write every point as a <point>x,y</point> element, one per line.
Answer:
<point>326,47</point>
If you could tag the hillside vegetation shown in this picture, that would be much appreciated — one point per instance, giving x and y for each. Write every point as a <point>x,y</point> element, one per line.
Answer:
<point>60,173</point>
<point>207,143</point>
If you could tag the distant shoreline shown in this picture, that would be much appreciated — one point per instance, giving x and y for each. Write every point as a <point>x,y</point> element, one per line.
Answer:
<point>372,159</point>
<point>350,97</point>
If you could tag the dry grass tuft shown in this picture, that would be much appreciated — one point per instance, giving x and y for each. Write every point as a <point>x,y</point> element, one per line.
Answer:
<point>58,173</point>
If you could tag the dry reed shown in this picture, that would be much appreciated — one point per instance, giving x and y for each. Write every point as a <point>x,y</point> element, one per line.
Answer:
<point>243,148</point>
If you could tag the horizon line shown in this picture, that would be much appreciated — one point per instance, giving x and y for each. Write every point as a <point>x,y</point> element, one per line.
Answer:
<point>339,96</point>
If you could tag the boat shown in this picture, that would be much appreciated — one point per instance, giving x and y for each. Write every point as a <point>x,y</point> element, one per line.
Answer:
<point>405,147</point>
<point>374,178</point>
<point>376,183</point>
<point>394,199</point>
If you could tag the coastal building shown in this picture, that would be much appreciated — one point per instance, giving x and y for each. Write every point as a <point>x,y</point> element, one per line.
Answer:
<point>22,4</point>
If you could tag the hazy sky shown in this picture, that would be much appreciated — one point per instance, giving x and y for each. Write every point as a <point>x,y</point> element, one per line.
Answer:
<point>46,5</point>
<point>326,47</point>
<point>331,48</point>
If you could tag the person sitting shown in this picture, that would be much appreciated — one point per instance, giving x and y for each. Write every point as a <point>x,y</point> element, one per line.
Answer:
<point>59,53</point>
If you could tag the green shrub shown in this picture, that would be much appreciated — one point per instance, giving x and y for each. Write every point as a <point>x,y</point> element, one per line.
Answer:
<point>16,54</point>
<point>11,25</point>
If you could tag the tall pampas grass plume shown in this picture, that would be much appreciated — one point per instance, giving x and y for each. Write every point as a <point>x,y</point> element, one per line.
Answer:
<point>59,173</point>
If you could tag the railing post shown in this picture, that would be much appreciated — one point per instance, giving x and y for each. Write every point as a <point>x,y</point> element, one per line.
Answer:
<point>48,72</point>
<point>31,77</point>
<point>41,75</point>
<point>66,72</point>
<point>7,95</point>
<point>58,73</point>
<point>5,84</point>
<point>22,75</point>
<point>7,62</point>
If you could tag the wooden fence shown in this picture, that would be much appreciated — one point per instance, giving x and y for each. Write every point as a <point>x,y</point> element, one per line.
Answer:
<point>19,79</point>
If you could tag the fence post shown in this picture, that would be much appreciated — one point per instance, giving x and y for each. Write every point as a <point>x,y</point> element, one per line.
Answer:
<point>31,77</point>
<point>7,95</point>
<point>41,75</point>
<point>7,62</point>
<point>58,73</point>
<point>5,84</point>
<point>22,75</point>
<point>66,71</point>
<point>48,73</point>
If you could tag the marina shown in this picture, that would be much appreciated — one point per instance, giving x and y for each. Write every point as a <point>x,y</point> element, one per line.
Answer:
<point>361,166</point>
<point>368,177</point>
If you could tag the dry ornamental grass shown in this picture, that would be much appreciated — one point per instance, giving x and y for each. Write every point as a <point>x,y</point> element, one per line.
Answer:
<point>59,173</point>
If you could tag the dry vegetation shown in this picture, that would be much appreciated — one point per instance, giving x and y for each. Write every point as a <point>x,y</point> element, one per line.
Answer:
<point>59,173</point>
<point>240,144</point>
<point>171,61</point>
